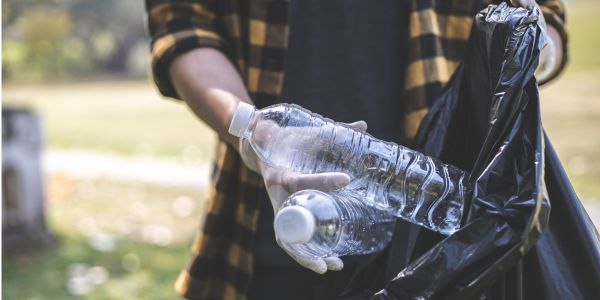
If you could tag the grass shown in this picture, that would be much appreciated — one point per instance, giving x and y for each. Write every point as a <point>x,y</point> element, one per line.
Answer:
<point>140,265</point>
<point>571,104</point>
<point>123,117</point>
<point>571,117</point>
<point>584,38</point>
<point>44,275</point>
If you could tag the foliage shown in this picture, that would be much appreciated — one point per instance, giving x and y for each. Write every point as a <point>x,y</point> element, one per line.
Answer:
<point>50,39</point>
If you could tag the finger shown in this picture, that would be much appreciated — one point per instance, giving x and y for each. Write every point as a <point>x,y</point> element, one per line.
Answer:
<point>316,265</point>
<point>325,182</point>
<point>334,263</point>
<point>359,125</point>
<point>277,194</point>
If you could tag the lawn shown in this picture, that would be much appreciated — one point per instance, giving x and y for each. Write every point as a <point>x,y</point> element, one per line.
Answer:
<point>127,240</point>
<point>126,118</point>
<point>114,241</point>
<point>571,104</point>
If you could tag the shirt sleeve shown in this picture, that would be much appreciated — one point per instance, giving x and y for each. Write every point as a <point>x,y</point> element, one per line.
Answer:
<point>554,14</point>
<point>178,26</point>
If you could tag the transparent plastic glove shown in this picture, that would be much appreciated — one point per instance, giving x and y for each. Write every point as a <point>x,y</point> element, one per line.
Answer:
<point>548,62</point>
<point>281,184</point>
<point>318,265</point>
<point>548,55</point>
<point>529,4</point>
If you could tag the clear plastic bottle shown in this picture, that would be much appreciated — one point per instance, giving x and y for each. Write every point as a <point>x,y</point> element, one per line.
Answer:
<point>318,224</point>
<point>402,181</point>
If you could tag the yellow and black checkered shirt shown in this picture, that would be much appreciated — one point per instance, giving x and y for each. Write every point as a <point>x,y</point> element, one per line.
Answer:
<point>254,34</point>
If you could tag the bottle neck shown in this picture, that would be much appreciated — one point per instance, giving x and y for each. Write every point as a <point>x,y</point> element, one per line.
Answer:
<point>243,116</point>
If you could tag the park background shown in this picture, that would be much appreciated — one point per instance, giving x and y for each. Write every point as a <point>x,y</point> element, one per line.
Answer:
<point>125,171</point>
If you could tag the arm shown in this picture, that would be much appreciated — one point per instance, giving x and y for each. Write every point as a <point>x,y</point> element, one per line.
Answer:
<point>211,87</point>
<point>188,61</point>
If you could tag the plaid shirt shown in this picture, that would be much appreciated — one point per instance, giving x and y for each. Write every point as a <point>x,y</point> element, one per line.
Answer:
<point>253,34</point>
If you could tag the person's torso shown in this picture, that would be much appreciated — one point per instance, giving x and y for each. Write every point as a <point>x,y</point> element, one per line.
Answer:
<point>344,61</point>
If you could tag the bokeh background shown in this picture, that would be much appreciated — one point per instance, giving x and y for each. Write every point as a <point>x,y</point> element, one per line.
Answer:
<point>125,171</point>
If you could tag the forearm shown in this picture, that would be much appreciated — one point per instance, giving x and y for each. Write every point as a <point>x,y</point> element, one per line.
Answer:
<point>211,87</point>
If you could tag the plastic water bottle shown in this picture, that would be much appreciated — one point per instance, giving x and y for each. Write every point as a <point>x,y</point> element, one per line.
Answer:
<point>318,224</point>
<point>402,181</point>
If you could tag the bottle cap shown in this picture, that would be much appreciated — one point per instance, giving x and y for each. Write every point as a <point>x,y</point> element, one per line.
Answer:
<point>294,224</point>
<point>241,119</point>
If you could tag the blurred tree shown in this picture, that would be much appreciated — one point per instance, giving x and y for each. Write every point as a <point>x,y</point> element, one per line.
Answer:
<point>69,38</point>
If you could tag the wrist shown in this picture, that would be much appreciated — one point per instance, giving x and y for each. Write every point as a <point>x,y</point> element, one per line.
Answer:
<point>550,56</point>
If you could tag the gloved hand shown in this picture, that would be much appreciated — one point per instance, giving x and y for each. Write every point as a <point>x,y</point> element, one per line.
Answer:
<point>529,4</point>
<point>548,55</point>
<point>281,184</point>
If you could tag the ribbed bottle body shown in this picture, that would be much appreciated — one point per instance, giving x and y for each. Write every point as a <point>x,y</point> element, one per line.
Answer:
<point>385,175</point>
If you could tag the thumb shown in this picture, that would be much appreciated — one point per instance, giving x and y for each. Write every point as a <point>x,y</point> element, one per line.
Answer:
<point>315,265</point>
<point>321,181</point>
<point>358,125</point>
<point>334,263</point>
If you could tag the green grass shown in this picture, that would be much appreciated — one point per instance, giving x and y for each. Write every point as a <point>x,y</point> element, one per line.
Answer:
<point>584,36</point>
<point>571,104</point>
<point>571,117</point>
<point>44,275</point>
<point>123,117</point>
<point>126,211</point>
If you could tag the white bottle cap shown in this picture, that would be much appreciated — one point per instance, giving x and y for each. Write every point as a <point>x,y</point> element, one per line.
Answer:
<point>241,119</point>
<point>294,224</point>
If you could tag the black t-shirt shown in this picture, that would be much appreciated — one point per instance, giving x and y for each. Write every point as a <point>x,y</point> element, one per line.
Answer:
<point>344,61</point>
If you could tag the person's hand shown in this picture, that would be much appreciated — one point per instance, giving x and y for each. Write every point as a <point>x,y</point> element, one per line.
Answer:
<point>529,4</point>
<point>281,183</point>
<point>318,265</point>
<point>550,54</point>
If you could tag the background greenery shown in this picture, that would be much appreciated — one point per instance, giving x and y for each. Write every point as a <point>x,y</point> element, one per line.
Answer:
<point>72,39</point>
<point>81,66</point>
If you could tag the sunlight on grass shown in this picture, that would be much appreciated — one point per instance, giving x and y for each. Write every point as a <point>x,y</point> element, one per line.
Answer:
<point>132,240</point>
<point>123,117</point>
<point>584,36</point>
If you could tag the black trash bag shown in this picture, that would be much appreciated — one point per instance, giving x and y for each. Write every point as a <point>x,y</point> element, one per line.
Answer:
<point>488,121</point>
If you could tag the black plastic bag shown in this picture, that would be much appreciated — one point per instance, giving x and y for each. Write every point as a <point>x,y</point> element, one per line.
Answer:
<point>488,121</point>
